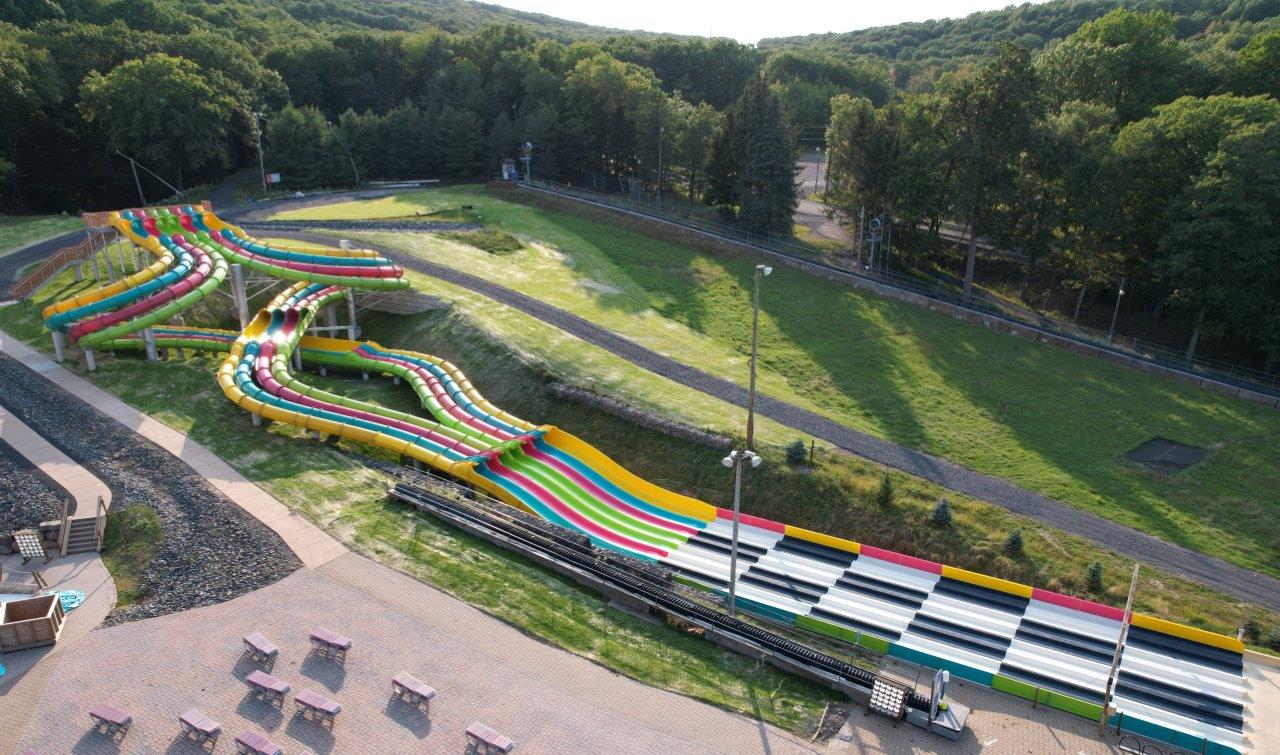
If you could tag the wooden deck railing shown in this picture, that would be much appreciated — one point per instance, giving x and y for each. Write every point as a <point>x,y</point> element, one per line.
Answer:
<point>52,265</point>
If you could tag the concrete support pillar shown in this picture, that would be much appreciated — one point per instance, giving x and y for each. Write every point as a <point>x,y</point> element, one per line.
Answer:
<point>257,419</point>
<point>89,360</point>
<point>59,346</point>
<point>149,338</point>
<point>297,359</point>
<point>324,371</point>
<point>353,330</point>
<point>237,292</point>
<point>364,374</point>
<point>395,380</point>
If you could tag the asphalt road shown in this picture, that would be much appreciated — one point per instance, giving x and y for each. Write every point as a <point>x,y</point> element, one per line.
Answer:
<point>1236,581</point>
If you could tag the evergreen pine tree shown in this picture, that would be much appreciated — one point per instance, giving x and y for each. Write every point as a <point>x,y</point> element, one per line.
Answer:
<point>942,513</point>
<point>884,496</point>
<point>796,452</point>
<point>1094,576</point>
<point>1013,543</point>
<point>767,146</point>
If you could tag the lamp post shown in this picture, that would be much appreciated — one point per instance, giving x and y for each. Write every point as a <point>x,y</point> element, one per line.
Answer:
<point>1119,295</point>
<point>735,458</point>
<point>761,271</point>
<point>354,170</point>
<point>661,131</point>
<point>257,133</point>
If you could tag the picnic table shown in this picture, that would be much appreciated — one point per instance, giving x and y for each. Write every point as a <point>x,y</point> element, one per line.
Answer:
<point>253,743</point>
<point>110,720</point>
<point>485,741</point>
<point>317,707</point>
<point>259,648</point>
<point>330,644</point>
<point>408,689</point>
<point>199,727</point>
<point>267,688</point>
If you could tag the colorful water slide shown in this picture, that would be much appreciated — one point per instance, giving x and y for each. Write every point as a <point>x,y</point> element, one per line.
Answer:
<point>193,249</point>
<point>1177,684</point>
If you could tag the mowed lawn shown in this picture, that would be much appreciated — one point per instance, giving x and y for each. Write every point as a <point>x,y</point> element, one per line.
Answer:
<point>17,231</point>
<point>1044,418</point>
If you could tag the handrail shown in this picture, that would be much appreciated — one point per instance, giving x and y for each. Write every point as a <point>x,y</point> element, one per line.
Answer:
<point>1234,375</point>
<point>79,252</point>
<point>64,532</point>
<point>100,525</point>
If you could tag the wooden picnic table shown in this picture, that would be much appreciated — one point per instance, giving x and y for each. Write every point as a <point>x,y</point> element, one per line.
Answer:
<point>198,726</point>
<point>317,707</point>
<point>265,686</point>
<point>410,690</point>
<point>259,647</point>
<point>108,719</point>
<point>253,743</point>
<point>486,741</point>
<point>329,643</point>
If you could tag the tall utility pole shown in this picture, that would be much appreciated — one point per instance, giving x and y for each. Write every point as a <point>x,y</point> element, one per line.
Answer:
<point>257,132</point>
<point>354,170</point>
<point>1116,314</point>
<point>661,130</point>
<point>761,271</point>
<point>1115,657</point>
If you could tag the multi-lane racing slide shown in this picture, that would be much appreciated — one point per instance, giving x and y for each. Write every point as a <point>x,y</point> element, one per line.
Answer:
<point>1175,683</point>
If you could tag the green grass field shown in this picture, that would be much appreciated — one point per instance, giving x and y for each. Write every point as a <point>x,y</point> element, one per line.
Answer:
<point>1044,418</point>
<point>510,357</point>
<point>17,231</point>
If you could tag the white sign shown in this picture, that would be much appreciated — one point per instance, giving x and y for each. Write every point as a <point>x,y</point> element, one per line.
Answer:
<point>273,178</point>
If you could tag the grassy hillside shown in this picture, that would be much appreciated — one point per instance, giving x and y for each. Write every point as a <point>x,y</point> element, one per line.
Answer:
<point>1044,418</point>
<point>1033,26</point>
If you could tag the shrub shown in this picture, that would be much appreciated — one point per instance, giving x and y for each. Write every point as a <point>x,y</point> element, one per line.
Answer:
<point>941,513</point>
<point>1093,576</point>
<point>1013,543</point>
<point>796,452</point>
<point>1252,629</point>
<point>488,240</point>
<point>1272,640</point>
<point>884,496</point>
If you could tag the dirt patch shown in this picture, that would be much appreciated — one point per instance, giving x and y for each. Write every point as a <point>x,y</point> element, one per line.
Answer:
<point>1166,457</point>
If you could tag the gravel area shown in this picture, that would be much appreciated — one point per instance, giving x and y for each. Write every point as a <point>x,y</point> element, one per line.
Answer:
<point>212,550</point>
<point>1236,581</point>
<point>27,495</point>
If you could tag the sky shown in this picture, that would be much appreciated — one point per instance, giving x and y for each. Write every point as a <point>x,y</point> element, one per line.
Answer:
<point>750,20</point>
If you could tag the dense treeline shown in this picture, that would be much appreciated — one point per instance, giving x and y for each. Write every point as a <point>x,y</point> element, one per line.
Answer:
<point>1114,153</point>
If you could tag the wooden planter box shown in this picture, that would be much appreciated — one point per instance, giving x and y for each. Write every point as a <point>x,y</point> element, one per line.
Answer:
<point>30,623</point>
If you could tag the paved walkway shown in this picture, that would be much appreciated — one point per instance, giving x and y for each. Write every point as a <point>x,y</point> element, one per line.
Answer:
<point>84,487</point>
<point>1262,714</point>
<point>1234,580</point>
<point>313,545</point>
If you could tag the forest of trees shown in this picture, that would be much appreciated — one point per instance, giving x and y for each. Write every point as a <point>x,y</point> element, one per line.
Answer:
<point>1115,152</point>
<point>1130,143</point>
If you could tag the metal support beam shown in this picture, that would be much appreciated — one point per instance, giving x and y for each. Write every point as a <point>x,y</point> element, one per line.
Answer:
<point>237,292</point>
<point>111,270</point>
<point>353,329</point>
<point>149,337</point>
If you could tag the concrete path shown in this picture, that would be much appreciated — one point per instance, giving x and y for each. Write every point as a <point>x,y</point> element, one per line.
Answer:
<point>1234,580</point>
<point>313,545</point>
<point>1262,714</point>
<point>84,487</point>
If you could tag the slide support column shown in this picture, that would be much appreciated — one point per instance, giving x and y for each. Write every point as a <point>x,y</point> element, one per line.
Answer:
<point>59,346</point>
<point>353,330</point>
<point>237,292</point>
<point>89,361</point>
<point>149,338</point>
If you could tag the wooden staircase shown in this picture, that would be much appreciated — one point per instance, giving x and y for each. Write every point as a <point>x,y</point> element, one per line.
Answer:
<point>83,536</point>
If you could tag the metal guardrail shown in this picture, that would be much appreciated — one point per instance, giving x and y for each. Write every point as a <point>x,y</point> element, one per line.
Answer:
<point>55,263</point>
<point>1155,354</point>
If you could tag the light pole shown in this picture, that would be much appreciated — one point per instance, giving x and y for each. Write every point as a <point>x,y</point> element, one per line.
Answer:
<point>761,271</point>
<point>262,166</point>
<point>354,170</point>
<point>661,130</point>
<point>735,459</point>
<point>1119,295</point>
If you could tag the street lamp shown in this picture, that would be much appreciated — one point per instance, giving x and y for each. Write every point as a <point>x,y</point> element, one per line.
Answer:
<point>734,460</point>
<point>354,170</point>
<point>1119,295</point>
<point>257,132</point>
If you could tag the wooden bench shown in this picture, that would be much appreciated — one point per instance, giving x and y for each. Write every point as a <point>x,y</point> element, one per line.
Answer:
<point>260,649</point>
<point>317,707</point>
<point>483,740</point>
<point>330,644</point>
<point>199,727</point>
<point>267,688</point>
<point>253,743</point>
<point>409,690</point>
<point>110,720</point>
